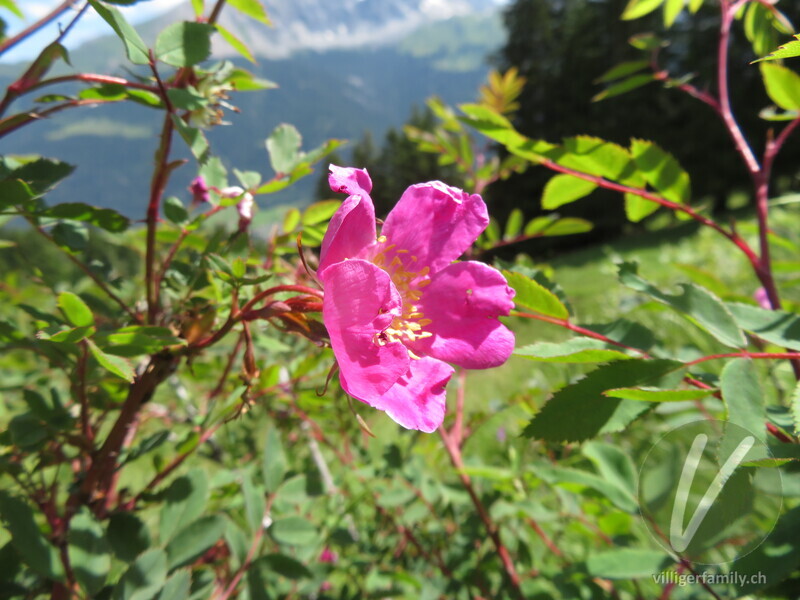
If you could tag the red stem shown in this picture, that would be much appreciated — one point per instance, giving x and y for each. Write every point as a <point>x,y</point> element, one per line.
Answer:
<point>491,528</point>
<point>157,186</point>
<point>674,206</point>
<point>28,31</point>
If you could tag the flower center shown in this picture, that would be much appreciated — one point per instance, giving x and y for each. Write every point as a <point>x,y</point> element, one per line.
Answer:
<point>408,326</point>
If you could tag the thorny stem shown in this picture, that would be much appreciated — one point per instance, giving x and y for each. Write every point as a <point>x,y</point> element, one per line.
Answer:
<point>251,554</point>
<point>86,428</point>
<point>491,528</point>
<point>674,206</point>
<point>159,182</point>
<point>99,476</point>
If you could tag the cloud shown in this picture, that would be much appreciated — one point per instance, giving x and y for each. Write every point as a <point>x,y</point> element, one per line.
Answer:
<point>90,25</point>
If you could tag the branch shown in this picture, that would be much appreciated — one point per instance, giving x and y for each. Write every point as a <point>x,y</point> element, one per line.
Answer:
<point>490,526</point>
<point>44,21</point>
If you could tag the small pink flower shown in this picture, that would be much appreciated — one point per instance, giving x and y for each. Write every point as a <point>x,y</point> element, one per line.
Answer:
<point>397,307</point>
<point>760,296</point>
<point>199,190</point>
<point>244,207</point>
<point>328,556</point>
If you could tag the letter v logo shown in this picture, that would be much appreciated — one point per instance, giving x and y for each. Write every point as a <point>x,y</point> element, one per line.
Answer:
<point>678,537</point>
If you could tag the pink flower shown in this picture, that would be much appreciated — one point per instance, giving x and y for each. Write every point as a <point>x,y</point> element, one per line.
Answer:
<point>328,556</point>
<point>244,207</point>
<point>199,190</point>
<point>761,296</point>
<point>397,307</point>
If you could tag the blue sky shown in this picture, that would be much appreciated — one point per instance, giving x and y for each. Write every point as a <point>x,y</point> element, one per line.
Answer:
<point>89,26</point>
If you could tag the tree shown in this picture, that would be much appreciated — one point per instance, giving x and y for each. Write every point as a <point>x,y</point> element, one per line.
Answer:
<point>561,48</point>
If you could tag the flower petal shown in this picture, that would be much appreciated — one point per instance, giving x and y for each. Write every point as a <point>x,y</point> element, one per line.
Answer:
<point>417,400</point>
<point>463,302</point>
<point>360,302</point>
<point>435,223</point>
<point>351,231</point>
<point>349,181</point>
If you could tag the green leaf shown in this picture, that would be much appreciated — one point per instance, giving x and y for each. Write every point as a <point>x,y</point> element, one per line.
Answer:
<point>789,50</point>
<point>283,146</point>
<point>794,407</point>
<point>116,365</point>
<point>178,586</point>
<point>235,43</point>
<point>294,531</point>
<point>291,220</point>
<point>284,565</point>
<point>12,7</point>
<point>251,8</point>
<point>639,8</point>
<point>705,309</point>
<point>42,174</point>
<point>743,397</point>
<point>613,464</point>
<point>194,138</point>
<point>135,47</point>
<point>624,86</point>
<point>563,189</point>
<point>144,578</point>
<point>774,560</point>
<point>661,171</point>
<point>89,553</point>
<point>187,98</point>
<point>637,208</point>
<point>576,350</point>
<point>254,503</point>
<point>782,84</point>
<point>569,478</point>
<point>536,297</point>
<point>627,563</point>
<point>27,539</point>
<point>580,411</point>
<point>127,536</point>
<point>136,340</point>
<point>184,44</point>
<point>657,395</point>
<point>175,211</point>
<point>193,540</point>
<point>622,70</point>
<point>768,463</point>
<point>513,225</point>
<point>273,460</point>
<point>71,236</point>
<point>319,212</point>
<point>184,501</point>
<point>14,193</point>
<point>75,310</point>
<point>672,8</point>
<point>105,218</point>
<point>567,226</point>
<point>44,62</point>
<point>775,326</point>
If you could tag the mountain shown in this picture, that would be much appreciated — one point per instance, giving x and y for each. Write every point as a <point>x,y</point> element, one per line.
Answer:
<point>384,63</point>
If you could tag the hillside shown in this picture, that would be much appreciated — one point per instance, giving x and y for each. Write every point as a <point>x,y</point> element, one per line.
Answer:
<point>335,93</point>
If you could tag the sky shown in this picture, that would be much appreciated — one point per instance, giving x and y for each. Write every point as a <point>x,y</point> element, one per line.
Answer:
<point>88,27</point>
